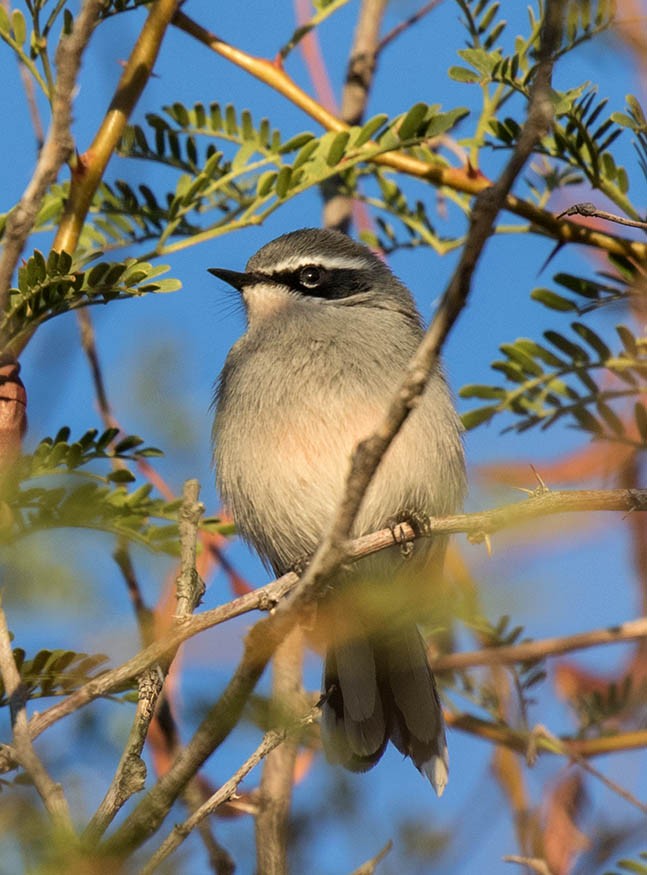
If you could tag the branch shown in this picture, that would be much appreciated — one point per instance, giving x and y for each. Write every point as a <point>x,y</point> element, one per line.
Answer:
<point>369,867</point>
<point>90,167</point>
<point>633,630</point>
<point>589,209</point>
<point>268,597</point>
<point>272,820</point>
<point>227,792</point>
<point>130,775</point>
<point>50,792</point>
<point>522,741</point>
<point>359,77</point>
<point>457,179</point>
<point>57,148</point>
<point>263,639</point>
<point>406,24</point>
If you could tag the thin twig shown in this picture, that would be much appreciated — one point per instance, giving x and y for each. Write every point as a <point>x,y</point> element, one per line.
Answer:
<point>535,863</point>
<point>58,145</point>
<point>528,651</point>
<point>589,209</point>
<point>371,865</point>
<point>130,774</point>
<point>228,790</point>
<point>50,792</point>
<point>545,734</point>
<point>406,24</point>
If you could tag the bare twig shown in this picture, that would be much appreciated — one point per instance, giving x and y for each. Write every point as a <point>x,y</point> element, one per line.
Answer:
<point>130,774</point>
<point>406,24</point>
<point>589,209</point>
<point>338,207</point>
<point>369,867</point>
<point>50,792</point>
<point>552,740</point>
<point>633,630</point>
<point>535,863</point>
<point>272,820</point>
<point>228,790</point>
<point>58,145</point>
<point>189,587</point>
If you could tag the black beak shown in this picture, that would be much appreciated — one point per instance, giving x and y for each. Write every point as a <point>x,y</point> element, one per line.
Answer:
<point>233,277</point>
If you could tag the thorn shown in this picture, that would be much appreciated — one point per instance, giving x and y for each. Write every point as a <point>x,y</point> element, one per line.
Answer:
<point>542,488</point>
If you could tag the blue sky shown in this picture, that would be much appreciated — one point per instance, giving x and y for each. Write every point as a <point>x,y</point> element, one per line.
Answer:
<point>161,355</point>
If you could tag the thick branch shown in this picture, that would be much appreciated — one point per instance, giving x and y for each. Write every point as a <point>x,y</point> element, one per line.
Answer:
<point>272,820</point>
<point>359,77</point>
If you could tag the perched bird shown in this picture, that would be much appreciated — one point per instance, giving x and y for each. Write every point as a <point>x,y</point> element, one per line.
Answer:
<point>330,331</point>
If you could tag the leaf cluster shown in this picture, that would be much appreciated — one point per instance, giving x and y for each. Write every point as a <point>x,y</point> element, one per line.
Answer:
<point>53,672</point>
<point>576,376</point>
<point>526,674</point>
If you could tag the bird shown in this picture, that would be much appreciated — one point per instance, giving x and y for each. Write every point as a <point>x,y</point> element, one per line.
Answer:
<point>329,333</point>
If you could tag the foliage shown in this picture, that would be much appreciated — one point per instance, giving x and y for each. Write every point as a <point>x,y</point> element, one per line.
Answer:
<point>52,286</point>
<point>186,173</point>
<point>53,672</point>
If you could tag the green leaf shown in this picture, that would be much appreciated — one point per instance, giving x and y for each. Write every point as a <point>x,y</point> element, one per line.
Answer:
<point>412,121</point>
<point>19,26</point>
<point>370,128</point>
<point>628,340</point>
<point>121,475</point>
<point>337,148</point>
<point>463,74</point>
<point>485,392</point>
<point>473,418</point>
<point>552,300</point>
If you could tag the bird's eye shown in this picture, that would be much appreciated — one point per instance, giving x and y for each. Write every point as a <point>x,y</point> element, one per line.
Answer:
<point>311,276</point>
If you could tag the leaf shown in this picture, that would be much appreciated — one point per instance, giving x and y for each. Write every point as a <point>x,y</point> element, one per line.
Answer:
<point>412,121</point>
<point>337,148</point>
<point>473,418</point>
<point>464,74</point>
<point>552,300</point>
<point>19,26</point>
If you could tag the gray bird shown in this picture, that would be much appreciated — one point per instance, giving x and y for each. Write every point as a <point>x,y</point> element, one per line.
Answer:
<point>330,331</point>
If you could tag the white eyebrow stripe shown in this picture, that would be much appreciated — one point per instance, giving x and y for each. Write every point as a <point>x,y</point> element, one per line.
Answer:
<point>328,261</point>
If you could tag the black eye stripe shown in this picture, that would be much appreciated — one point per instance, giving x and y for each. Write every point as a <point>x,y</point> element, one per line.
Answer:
<point>335,283</point>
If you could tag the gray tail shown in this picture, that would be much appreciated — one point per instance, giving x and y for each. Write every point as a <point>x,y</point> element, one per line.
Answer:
<point>378,689</point>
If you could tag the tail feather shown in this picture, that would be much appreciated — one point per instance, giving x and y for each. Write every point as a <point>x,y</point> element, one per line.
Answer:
<point>381,689</point>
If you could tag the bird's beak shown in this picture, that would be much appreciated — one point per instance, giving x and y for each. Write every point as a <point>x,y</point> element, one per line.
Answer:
<point>235,278</point>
